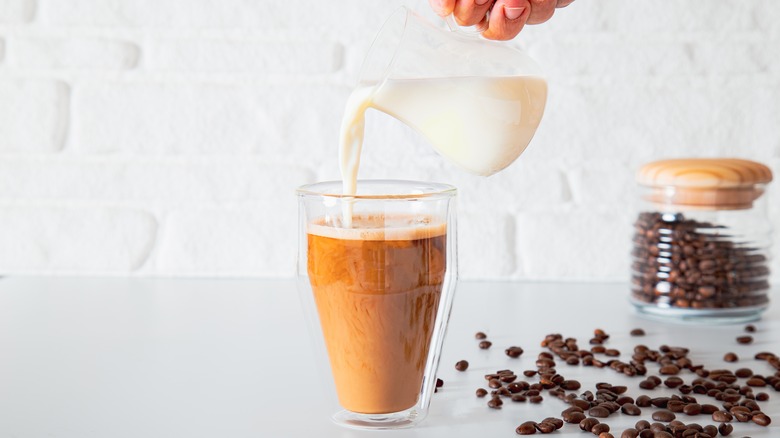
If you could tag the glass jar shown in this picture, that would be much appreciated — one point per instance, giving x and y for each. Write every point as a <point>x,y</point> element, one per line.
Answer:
<point>701,241</point>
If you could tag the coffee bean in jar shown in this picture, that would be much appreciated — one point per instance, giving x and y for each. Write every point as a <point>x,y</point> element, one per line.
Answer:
<point>701,241</point>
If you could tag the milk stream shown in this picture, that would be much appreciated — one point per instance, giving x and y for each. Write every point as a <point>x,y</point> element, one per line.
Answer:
<point>482,124</point>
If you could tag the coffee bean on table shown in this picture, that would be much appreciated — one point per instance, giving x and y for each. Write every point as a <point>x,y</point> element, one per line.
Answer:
<point>722,417</point>
<point>637,332</point>
<point>669,369</point>
<point>745,339</point>
<point>600,428</point>
<point>643,401</point>
<point>495,402</point>
<point>725,429</point>
<point>630,409</point>
<point>761,419</point>
<point>588,423</point>
<point>545,427</point>
<point>663,415</point>
<point>750,328</point>
<point>599,412</point>
<point>692,409</point>
<point>461,365</point>
<point>743,373</point>
<point>527,428</point>
<point>480,335</point>
<point>730,357</point>
<point>485,345</point>
<point>557,422</point>
<point>762,396</point>
<point>439,382</point>
<point>481,392</point>
<point>574,417</point>
<point>519,398</point>
<point>630,433</point>
<point>514,352</point>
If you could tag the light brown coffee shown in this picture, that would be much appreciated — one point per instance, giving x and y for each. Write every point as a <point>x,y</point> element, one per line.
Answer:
<point>377,287</point>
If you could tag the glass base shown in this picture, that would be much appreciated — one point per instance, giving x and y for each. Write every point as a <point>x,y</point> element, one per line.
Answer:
<point>700,316</point>
<point>395,420</point>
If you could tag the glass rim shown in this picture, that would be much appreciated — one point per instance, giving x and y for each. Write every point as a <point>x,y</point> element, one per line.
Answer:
<point>424,190</point>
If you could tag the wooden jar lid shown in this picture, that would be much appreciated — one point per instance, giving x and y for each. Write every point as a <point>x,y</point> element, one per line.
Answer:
<point>710,183</point>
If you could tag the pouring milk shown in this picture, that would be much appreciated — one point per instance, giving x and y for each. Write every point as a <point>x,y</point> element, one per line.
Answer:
<point>482,124</point>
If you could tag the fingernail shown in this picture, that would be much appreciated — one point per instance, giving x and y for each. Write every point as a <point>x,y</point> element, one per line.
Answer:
<point>513,13</point>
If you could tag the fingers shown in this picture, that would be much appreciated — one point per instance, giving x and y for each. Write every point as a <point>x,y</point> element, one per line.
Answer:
<point>507,18</point>
<point>471,12</point>
<point>442,7</point>
<point>541,11</point>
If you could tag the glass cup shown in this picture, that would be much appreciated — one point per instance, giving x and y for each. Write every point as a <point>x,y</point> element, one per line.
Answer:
<point>381,292</point>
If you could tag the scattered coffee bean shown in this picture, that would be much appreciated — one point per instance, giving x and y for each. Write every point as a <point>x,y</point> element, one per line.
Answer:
<point>485,344</point>
<point>599,412</point>
<point>663,415</point>
<point>692,409</point>
<point>630,409</point>
<point>642,425</point>
<point>637,332</point>
<point>630,433</point>
<point>519,398</point>
<point>743,373</point>
<point>574,418</point>
<point>527,428</point>
<point>725,429</point>
<point>669,369</point>
<point>556,422</point>
<point>439,382</point>
<point>461,365</point>
<point>514,352</point>
<point>529,373</point>
<point>588,423</point>
<point>756,382</point>
<point>480,335</point>
<point>730,357</point>
<point>600,428</point>
<point>750,328</point>
<point>643,401</point>
<point>606,435</point>
<point>761,419</point>
<point>762,396</point>
<point>481,392</point>
<point>745,339</point>
<point>545,427</point>
<point>536,399</point>
<point>722,417</point>
<point>495,402</point>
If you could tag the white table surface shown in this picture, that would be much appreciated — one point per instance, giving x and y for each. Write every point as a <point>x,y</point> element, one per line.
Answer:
<point>232,358</point>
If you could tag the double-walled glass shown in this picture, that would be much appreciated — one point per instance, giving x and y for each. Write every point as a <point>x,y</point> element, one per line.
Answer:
<point>379,291</point>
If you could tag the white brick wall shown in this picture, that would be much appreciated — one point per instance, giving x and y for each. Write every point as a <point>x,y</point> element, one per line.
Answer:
<point>166,137</point>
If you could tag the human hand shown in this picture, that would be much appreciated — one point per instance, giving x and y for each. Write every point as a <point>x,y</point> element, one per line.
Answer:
<point>498,19</point>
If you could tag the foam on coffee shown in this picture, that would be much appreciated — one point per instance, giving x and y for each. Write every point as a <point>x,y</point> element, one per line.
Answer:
<point>381,227</point>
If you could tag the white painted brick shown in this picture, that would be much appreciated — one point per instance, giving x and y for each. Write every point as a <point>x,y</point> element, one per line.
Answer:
<point>16,11</point>
<point>486,244</point>
<point>33,115</point>
<point>575,243</point>
<point>210,119</point>
<point>602,182</point>
<point>73,53</point>
<point>724,16</point>
<point>306,14</point>
<point>240,56</point>
<point>172,181</point>
<point>73,239</point>
<point>259,240</point>
<point>617,57</point>
<point>168,119</point>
